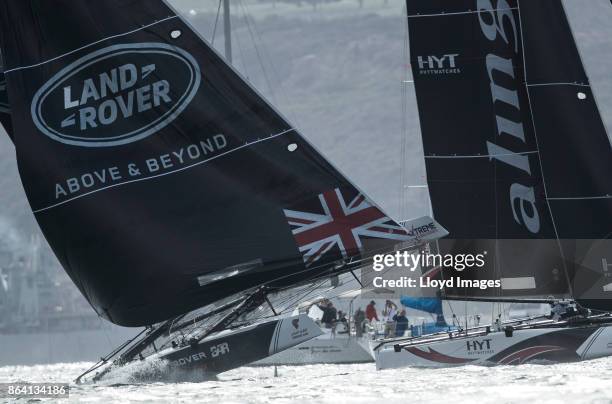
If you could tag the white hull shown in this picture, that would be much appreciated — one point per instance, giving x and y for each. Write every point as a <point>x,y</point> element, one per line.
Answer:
<point>562,344</point>
<point>323,349</point>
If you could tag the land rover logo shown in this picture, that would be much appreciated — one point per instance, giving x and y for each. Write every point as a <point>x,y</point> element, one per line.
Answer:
<point>116,95</point>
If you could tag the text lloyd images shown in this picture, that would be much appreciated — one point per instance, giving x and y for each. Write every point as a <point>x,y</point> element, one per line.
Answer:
<point>426,282</point>
<point>410,261</point>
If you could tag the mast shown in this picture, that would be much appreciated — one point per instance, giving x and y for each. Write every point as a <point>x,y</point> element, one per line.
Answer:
<point>227,25</point>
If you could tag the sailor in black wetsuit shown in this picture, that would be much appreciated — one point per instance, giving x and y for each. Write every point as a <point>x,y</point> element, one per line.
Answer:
<point>329,314</point>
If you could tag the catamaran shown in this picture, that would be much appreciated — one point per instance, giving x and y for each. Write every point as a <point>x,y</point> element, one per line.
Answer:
<point>519,165</point>
<point>175,197</point>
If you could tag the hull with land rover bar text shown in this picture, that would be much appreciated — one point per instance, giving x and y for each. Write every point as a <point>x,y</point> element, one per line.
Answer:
<point>228,350</point>
<point>539,344</point>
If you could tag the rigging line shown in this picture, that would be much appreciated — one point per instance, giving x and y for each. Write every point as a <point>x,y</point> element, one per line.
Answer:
<point>274,70</point>
<point>357,279</point>
<point>290,301</point>
<point>309,290</point>
<point>314,286</point>
<point>91,44</point>
<point>259,58</point>
<point>350,280</point>
<point>280,300</point>
<point>404,121</point>
<point>212,42</point>
<point>242,54</point>
<point>535,134</point>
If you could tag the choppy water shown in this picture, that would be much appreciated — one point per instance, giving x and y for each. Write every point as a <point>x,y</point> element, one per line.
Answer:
<point>589,382</point>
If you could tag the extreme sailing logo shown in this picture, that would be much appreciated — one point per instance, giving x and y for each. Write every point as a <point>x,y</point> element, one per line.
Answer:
<point>434,65</point>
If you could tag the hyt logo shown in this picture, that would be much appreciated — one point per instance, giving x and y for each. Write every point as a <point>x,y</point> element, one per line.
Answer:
<point>296,323</point>
<point>445,64</point>
<point>116,95</point>
<point>479,346</point>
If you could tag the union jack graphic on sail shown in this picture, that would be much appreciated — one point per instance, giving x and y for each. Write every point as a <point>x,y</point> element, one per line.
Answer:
<point>341,224</point>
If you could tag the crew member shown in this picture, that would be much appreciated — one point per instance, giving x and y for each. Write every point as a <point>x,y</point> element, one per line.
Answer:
<point>371,311</point>
<point>329,315</point>
<point>401,323</point>
<point>359,318</point>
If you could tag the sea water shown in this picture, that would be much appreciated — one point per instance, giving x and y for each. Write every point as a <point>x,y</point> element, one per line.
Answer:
<point>588,382</point>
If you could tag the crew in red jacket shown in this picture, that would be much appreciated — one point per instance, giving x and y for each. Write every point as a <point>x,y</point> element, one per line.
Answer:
<point>371,311</point>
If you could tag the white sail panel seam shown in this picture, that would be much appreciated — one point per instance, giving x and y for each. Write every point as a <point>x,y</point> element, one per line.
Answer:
<point>90,44</point>
<point>569,198</point>
<point>557,84</point>
<point>166,173</point>
<point>456,13</point>
<point>434,156</point>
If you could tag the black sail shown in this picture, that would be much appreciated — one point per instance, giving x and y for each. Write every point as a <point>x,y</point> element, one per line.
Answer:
<point>492,160</point>
<point>575,149</point>
<point>161,180</point>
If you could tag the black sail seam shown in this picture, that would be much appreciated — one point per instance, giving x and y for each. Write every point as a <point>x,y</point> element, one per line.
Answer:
<point>457,13</point>
<point>248,144</point>
<point>90,44</point>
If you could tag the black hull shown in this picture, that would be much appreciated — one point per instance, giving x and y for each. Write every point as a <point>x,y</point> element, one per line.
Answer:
<point>222,352</point>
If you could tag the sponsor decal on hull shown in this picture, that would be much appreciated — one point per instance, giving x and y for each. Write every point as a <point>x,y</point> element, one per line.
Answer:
<point>524,355</point>
<point>479,347</point>
<point>435,356</point>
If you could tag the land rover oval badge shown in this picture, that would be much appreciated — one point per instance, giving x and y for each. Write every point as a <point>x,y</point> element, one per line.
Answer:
<point>116,95</point>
